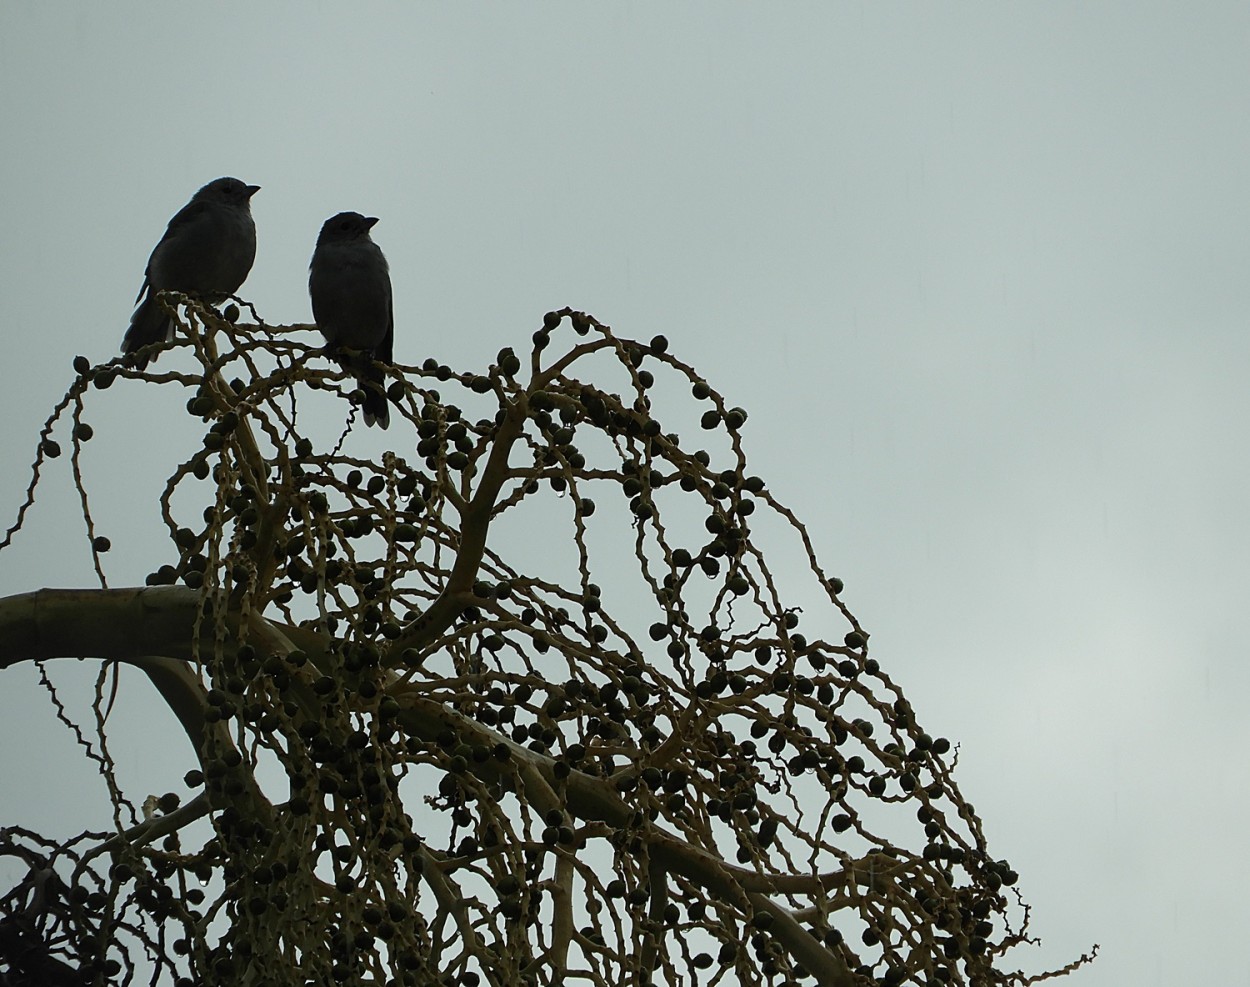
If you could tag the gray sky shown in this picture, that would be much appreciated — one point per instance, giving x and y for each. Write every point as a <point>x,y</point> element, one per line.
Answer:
<point>978,271</point>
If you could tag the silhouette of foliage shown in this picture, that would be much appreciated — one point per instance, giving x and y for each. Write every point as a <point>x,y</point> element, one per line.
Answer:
<point>519,701</point>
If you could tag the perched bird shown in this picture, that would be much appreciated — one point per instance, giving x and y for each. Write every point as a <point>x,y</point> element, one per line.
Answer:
<point>350,286</point>
<point>207,249</point>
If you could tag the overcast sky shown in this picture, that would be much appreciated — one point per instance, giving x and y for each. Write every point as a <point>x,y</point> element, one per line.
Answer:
<point>978,272</point>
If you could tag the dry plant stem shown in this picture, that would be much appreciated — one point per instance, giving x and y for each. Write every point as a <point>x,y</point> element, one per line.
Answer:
<point>429,758</point>
<point>475,520</point>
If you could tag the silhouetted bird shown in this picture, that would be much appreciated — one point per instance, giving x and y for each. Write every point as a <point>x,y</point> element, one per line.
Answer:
<point>350,285</point>
<point>207,249</point>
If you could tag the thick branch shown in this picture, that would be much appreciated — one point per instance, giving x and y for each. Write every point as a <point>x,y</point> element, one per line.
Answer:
<point>593,798</point>
<point>121,624</point>
<point>475,522</point>
<point>150,628</point>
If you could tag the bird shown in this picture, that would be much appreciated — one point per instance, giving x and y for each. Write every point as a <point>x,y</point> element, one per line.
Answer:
<point>207,250</point>
<point>350,286</point>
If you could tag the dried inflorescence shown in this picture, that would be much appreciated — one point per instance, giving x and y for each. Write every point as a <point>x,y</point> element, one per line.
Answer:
<point>522,700</point>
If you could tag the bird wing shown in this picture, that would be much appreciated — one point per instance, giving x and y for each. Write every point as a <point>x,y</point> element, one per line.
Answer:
<point>386,347</point>
<point>183,218</point>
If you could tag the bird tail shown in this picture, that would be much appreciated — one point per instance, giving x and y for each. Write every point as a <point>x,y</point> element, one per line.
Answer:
<point>376,409</point>
<point>150,324</point>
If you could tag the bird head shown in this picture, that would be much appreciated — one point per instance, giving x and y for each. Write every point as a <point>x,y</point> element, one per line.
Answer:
<point>346,226</point>
<point>227,190</point>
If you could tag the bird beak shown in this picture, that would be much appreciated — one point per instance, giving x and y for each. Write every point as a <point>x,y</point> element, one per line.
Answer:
<point>370,221</point>
<point>252,190</point>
